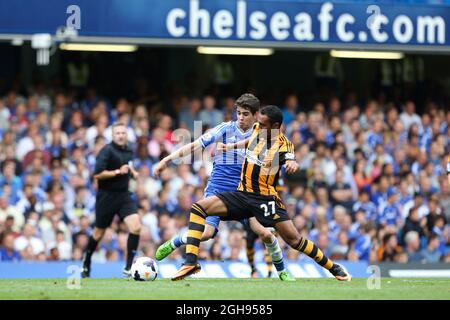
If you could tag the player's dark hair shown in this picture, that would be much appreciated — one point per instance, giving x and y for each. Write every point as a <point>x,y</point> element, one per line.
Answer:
<point>273,113</point>
<point>248,101</point>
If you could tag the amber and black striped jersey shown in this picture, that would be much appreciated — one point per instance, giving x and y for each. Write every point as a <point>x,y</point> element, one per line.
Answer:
<point>263,160</point>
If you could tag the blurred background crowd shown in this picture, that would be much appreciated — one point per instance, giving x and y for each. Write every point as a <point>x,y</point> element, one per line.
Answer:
<point>372,185</point>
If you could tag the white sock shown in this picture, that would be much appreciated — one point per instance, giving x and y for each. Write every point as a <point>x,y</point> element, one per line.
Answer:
<point>276,254</point>
<point>178,240</point>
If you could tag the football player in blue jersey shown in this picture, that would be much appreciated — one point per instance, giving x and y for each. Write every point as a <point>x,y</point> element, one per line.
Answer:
<point>225,176</point>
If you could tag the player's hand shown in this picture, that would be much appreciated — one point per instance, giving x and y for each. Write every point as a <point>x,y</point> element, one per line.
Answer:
<point>159,167</point>
<point>124,169</point>
<point>221,147</point>
<point>291,166</point>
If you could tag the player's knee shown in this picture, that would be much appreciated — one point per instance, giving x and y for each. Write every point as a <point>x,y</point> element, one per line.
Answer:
<point>293,241</point>
<point>266,236</point>
<point>98,234</point>
<point>200,207</point>
<point>136,228</point>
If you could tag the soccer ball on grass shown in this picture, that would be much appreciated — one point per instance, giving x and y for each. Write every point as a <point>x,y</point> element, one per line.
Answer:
<point>144,269</point>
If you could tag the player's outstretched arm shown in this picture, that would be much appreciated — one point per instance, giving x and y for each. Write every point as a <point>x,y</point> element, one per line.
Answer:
<point>180,153</point>
<point>230,146</point>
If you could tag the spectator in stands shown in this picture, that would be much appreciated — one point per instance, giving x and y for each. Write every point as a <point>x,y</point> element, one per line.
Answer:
<point>215,252</point>
<point>9,210</point>
<point>5,114</point>
<point>359,175</point>
<point>366,206</point>
<point>409,115</point>
<point>7,227</point>
<point>235,250</point>
<point>9,178</point>
<point>190,114</point>
<point>390,215</point>
<point>158,147</point>
<point>432,254</point>
<point>413,223</point>
<point>290,109</point>
<point>341,192</point>
<point>28,244</point>
<point>390,251</point>
<point>99,129</point>
<point>363,246</point>
<point>210,116</point>
<point>341,247</point>
<point>412,241</point>
<point>7,252</point>
<point>433,215</point>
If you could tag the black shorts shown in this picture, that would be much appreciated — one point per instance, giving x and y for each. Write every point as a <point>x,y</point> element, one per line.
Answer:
<point>242,205</point>
<point>109,203</point>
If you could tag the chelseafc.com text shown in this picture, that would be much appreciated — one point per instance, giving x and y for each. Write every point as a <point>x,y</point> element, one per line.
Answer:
<point>327,24</point>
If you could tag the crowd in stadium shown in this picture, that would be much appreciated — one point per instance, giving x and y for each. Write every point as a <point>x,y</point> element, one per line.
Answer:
<point>372,185</point>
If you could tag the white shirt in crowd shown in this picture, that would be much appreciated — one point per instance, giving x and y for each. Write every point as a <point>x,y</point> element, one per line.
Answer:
<point>423,209</point>
<point>409,119</point>
<point>64,249</point>
<point>24,146</point>
<point>22,242</point>
<point>150,220</point>
<point>16,212</point>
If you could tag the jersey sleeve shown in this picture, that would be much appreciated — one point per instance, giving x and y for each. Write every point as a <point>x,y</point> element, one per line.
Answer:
<point>101,162</point>
<point>286,151</point>
<point>213,135</point>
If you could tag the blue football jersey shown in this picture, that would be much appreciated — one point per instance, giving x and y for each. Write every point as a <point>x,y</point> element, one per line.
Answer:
<point>227,165</point>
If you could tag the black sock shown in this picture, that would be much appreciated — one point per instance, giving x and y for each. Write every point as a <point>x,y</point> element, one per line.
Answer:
<point>132,245</point>
<point>91,247</point>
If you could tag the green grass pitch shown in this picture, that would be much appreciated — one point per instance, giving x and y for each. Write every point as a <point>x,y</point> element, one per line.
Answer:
<point>224,289</point>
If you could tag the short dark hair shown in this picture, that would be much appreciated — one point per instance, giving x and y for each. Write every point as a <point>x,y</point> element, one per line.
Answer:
<point>273,113</point>
<point>248,101</point>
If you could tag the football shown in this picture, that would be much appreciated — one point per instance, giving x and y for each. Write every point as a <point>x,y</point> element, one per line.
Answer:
<point>144,269</point>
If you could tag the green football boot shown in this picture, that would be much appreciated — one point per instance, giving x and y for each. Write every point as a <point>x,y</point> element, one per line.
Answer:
<point>286,276</point>
<point>164,250</point>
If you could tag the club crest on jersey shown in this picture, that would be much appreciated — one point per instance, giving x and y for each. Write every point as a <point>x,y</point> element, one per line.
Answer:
<point>252,159</point>
<point>207,136</point>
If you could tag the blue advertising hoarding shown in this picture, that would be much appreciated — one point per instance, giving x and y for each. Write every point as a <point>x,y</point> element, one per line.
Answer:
<point>29,270</point>
<point>285,23</point>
